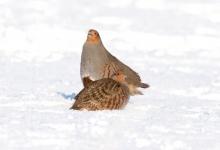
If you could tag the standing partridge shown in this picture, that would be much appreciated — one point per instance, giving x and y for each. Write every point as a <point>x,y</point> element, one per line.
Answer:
<point>106,93</point>
<point>98,63</point>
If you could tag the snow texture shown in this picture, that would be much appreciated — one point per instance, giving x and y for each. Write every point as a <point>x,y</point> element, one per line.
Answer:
<point>174,46</point>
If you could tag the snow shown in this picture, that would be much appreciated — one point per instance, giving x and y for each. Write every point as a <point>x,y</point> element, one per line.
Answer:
<point>173,45</point>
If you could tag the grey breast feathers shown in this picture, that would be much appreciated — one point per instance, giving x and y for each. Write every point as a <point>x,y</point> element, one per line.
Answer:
<point>93,59</point>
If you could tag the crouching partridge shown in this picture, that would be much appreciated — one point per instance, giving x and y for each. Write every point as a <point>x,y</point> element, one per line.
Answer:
<point>106,93</point>
<point>98,63</point>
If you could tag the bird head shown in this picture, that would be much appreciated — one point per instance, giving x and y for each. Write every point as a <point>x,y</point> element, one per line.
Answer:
<point>93,36</point>
<point>119,76</point>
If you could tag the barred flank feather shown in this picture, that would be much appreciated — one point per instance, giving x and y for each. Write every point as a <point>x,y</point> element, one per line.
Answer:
<point>102,94</point>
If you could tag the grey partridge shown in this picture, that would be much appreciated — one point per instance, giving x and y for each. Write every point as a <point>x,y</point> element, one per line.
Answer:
<point>98,63</point>
<point>103,94</point>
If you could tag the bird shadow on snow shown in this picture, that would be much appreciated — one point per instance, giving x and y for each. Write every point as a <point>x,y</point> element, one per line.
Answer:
<point>66,95</point>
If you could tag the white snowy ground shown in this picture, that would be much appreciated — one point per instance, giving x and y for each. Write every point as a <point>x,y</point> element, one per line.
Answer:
<point>174,45</point>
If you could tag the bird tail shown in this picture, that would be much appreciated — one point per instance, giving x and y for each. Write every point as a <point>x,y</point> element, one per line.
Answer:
<point>144,85</point>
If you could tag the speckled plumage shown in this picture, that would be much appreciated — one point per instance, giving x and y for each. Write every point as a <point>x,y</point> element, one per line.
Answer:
<point>102,94</point>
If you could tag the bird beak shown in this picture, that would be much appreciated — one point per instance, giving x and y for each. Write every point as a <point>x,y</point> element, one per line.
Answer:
<point>89,34</point>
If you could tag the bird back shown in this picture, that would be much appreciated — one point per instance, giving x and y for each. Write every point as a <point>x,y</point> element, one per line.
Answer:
<point>102,94</point>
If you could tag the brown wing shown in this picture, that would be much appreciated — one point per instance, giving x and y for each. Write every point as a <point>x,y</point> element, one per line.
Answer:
<point>116,65</point>
<point>87,97</point>
<point>118,98</point>
<point>109,70</point>
<point>102,94</point>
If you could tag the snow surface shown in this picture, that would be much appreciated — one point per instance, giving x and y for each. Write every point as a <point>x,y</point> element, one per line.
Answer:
<point>174,45</point>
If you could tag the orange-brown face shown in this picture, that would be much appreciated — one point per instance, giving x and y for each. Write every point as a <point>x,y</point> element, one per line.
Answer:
<point>93,36</point>
<point>120,77</point>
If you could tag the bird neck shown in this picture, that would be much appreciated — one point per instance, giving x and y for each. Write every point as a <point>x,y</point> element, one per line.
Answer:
<point>95,46</point>
<point>93,40</point>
